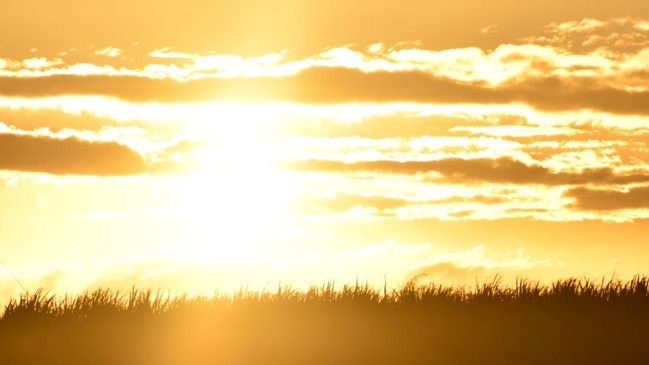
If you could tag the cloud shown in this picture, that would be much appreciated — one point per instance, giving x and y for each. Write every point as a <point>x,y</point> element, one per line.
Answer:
<point>54,119</point>
<point>345,201</point>
<point>36,63</point>
<point>502,170</point>
<point>143,89</point>
<point>620,34</point>
<point>67,156</point>
<point>109,52</point>
<point>324,85</point>
<point>489,29</point>
<point>541,73</point>
<point>607,199</point>
<point>448,272</point>
<point>374,263</point>
<point>465,267</point>
<point>166,52</point>
<point>611,51</point>
<point>549,93</point>
<point>514,130</point>
<point>371,124</point>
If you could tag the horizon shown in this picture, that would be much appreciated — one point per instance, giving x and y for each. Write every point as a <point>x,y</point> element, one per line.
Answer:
<point>220,145</point>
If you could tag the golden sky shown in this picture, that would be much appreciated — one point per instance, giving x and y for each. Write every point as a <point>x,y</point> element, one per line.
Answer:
<point>212,144</point>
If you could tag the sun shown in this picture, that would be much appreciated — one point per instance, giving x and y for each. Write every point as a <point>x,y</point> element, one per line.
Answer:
<point>234,204</point>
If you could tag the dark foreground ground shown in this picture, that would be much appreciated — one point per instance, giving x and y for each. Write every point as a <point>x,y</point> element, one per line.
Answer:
<point>570,322</point>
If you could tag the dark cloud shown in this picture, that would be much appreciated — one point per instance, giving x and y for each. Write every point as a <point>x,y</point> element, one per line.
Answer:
<point>340,85</point>
<point>557,94</point>
<point>604,199</point>
<point>502,170</point>
<point>129,88</point>
<point>67,156</point>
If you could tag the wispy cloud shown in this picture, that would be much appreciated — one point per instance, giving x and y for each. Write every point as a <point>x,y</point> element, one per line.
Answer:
<point>620,34</point>
<point>109,52</point>
<point>489,29</point>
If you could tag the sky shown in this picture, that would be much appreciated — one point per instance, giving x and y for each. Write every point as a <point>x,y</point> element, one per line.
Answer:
<point>211,145</point>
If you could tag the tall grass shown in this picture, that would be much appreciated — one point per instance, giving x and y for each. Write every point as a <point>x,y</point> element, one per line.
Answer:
<point>569,321</point>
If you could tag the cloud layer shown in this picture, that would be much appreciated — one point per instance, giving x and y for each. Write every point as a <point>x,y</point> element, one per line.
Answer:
<point>503,170</point>
<point>209,145</point>
<point>341,85</point>
<point>545,71</point>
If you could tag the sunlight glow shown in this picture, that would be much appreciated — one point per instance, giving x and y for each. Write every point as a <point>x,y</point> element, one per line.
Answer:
<point>234,202</point>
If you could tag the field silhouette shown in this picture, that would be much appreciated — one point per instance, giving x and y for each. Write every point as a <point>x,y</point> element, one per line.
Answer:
<point>571,321</point>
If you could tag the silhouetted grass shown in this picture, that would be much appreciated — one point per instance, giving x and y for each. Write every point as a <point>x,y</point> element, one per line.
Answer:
<point>573,321</point>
